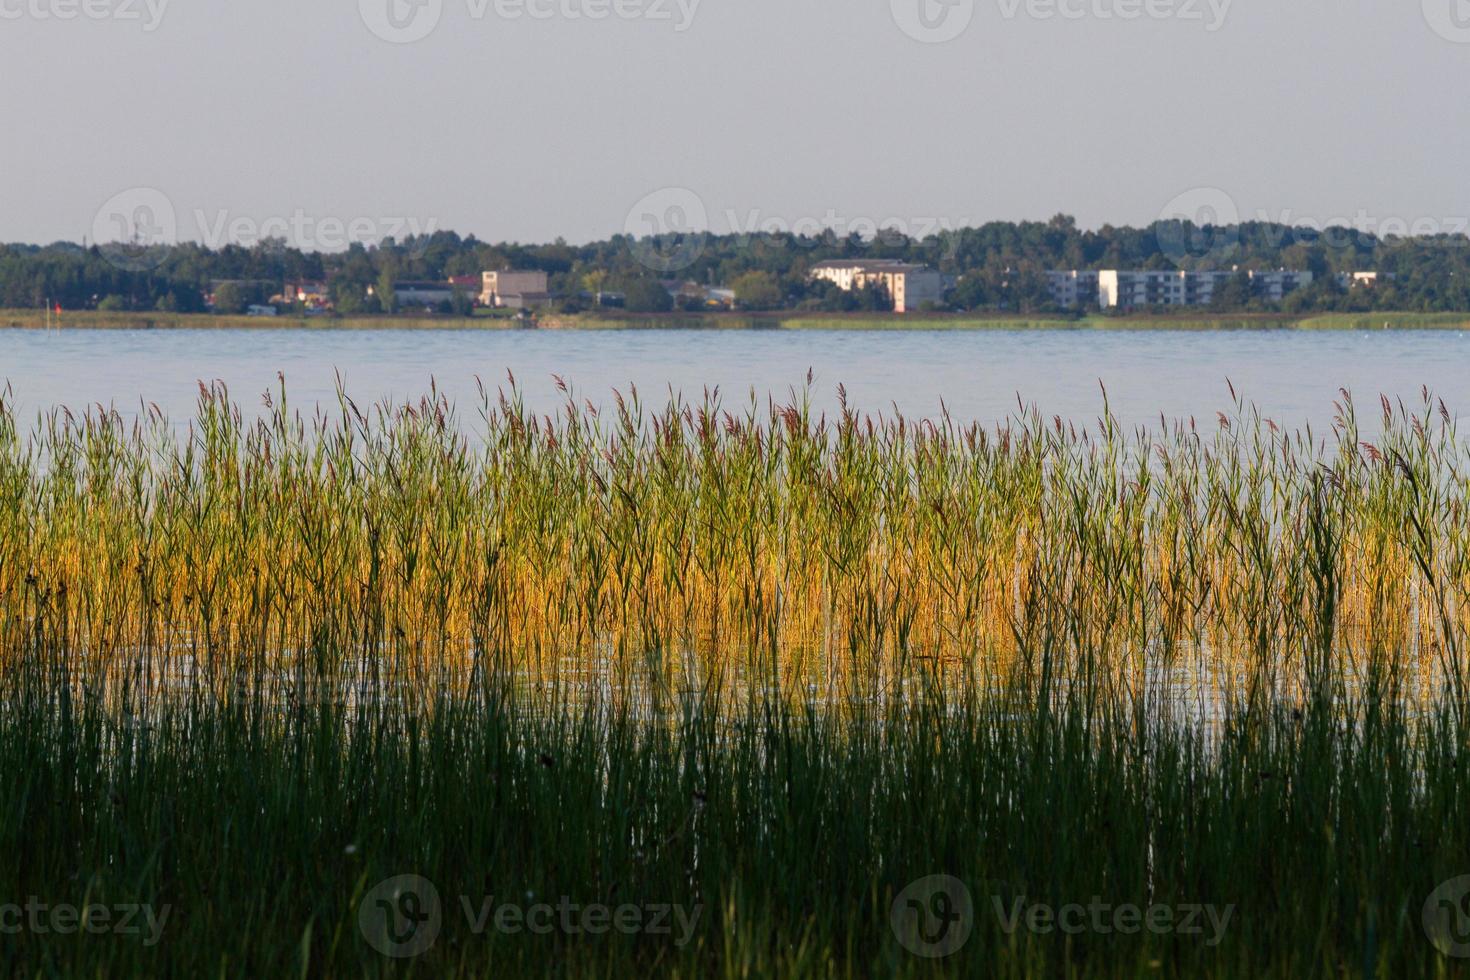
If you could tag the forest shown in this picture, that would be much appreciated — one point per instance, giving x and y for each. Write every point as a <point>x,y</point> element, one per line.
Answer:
<point>998,266</point>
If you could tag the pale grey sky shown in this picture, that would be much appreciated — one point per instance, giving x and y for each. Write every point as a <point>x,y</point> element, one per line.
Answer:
<point>516,120</point>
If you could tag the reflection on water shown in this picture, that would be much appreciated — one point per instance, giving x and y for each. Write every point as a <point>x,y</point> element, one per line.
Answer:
<point>1195,688</point>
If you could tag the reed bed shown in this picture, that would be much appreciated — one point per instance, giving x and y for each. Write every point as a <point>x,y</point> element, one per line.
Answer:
<point>748,659</point>
<point>700,547</point>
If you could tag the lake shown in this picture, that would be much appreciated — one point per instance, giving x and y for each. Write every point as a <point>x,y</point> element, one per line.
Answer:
<point>1292,376</point>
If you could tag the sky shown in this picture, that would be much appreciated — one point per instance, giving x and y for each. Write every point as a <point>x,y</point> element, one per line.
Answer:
<point>327,121</point>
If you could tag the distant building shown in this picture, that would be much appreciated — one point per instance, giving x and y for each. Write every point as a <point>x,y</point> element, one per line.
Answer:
<point>689,293</point>
<point>310,293</point>
<point>257,309</point>
<point>422,293</point>
<point>1131,289</point>
<point>524,301</point>
<point>1275,286</point>
<point>516,289</point>
<point>1073,288</point>
<point>908,285</point>
<point>1357,280</point>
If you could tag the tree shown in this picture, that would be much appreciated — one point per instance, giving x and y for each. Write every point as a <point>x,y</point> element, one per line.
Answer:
<point>387,298</point>
<point>348,297</point>
<point>1234,293</point>
<point>648,296</point>
<point>1000,265</point>
<point>757,291</point>
<point>594,281</point>
<point>229,297</point>
<point>461,304</point>
<point>971,293</point>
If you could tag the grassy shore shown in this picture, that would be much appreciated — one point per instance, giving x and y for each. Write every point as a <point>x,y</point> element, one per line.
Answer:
<point>93,319</point>
<point>731,691</point>
<point>106,320</point>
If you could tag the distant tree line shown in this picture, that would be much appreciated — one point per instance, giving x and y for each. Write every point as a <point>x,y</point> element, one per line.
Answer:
<point>999,266</point>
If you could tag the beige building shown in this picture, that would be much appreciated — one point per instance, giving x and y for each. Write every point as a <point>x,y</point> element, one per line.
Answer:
<point>516,289</point>
<point>907,284</point>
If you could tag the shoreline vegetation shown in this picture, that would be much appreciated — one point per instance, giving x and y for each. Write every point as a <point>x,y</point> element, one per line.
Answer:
<point>997,269</point>
<point>152,320</point>
<point>774,670</point>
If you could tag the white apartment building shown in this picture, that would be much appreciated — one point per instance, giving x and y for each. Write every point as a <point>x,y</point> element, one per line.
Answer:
<point>907,284</point>
<point>516,289</point>
<point>1127,289</point>
<point>1075,287</point>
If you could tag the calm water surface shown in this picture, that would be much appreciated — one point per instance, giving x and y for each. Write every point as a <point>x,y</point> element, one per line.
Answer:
<point>1292,376</point>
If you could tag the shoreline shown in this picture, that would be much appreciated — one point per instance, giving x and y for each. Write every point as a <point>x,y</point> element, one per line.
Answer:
<point>98,320</point>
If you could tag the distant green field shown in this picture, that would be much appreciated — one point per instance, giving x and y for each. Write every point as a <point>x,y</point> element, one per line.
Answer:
<point>1386,321</point>
<point>94,319</point>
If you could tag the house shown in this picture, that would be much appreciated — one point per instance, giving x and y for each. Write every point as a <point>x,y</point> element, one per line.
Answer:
<point>312,294</point>
<point>907,284</point>
<point>469,285</point>
<point>422,292</point>
<point>524,301</point>
<point>688,293</point>
<point>1357,280</point>
<point>516,289</point>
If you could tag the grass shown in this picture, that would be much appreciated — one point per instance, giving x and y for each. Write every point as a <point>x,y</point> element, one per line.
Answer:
<point>153,320</point>
<point>766,667</point>
<point>1387,321</point>
<point>932,321</point>
<point>787,833</point>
